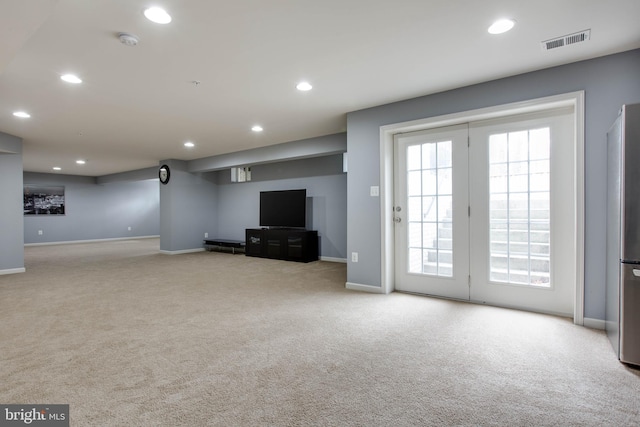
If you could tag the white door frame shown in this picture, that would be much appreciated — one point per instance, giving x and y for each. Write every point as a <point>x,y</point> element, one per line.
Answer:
<point>575,99</point>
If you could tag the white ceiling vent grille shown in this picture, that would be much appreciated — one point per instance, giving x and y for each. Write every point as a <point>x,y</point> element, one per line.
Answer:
<point>567,40</point>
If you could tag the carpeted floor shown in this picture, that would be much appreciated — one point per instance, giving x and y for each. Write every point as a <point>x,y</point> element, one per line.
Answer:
<point>131,337</point>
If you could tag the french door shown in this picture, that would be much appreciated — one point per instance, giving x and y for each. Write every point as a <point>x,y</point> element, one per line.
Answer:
<point>484,212</point>
<point>432,224</point>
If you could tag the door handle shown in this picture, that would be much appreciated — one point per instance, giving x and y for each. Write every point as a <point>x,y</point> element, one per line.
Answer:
<point>636,272</point>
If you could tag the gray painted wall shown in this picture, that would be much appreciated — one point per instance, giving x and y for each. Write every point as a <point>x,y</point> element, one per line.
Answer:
<point>326,185</point>
<point>608,83</point>
<point>187,208</point>
<point>191,204</point>
<point>200,197</point>
<point>95,211</point>
<point>135,175</point>
<point>11,220</point>
<point>306,148</point>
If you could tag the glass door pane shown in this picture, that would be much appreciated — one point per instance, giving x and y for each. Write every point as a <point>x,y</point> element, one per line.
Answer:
<point>519,219</point>
<point>429,190</point>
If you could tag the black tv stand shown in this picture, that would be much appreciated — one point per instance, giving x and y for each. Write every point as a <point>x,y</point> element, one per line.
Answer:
<point>213,244</point>
<point>289,244</point>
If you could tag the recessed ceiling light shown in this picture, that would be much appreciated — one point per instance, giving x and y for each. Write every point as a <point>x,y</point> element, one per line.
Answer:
<point>257,128</point>
<point>57,168</point>
<point>157,15</point>
<point>501,26</point>
<point>189,144</point>
<point>71,78</point>
<point>304,86</point>
<point>22,114</point>
<point>81,162</point>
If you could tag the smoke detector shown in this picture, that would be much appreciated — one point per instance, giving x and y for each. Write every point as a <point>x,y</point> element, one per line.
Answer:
<point>567,40</point>
<point>128,39</point>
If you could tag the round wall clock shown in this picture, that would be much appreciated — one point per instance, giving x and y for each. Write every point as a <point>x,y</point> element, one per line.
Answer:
<point>164,173</point>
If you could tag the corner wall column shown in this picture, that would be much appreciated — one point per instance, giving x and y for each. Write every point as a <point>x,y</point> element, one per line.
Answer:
<point>187,209</point>
<point>11,208</point>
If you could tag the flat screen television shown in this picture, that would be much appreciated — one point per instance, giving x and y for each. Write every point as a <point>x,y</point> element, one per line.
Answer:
<point>285,208</point>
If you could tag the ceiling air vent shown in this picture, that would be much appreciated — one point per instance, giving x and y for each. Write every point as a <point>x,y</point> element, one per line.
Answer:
<point>567,40</point>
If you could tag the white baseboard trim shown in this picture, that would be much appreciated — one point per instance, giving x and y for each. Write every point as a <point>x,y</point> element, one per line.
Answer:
<point>332,259</point>
<point>365,288</point>
<point>183,251</point>
<point>12,271</point>
<point>71,242</point>
<point>594,323</point>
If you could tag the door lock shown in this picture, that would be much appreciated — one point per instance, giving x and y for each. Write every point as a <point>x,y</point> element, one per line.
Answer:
<point>397,219</point>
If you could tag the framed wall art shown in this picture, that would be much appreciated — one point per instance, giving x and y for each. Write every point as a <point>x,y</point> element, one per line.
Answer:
<point>43,200</point>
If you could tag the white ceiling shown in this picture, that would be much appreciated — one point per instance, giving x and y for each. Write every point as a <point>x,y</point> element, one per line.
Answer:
<point>138,105</point>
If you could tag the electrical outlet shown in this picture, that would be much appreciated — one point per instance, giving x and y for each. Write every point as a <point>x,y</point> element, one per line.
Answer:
<point>206,235</point>
<point>39,232</point>
<point>374,191</point>
<point>129,228</point>
<point>354,256</point>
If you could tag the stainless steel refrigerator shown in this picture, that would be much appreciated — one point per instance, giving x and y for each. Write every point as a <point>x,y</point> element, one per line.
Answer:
<point>623,235</point>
